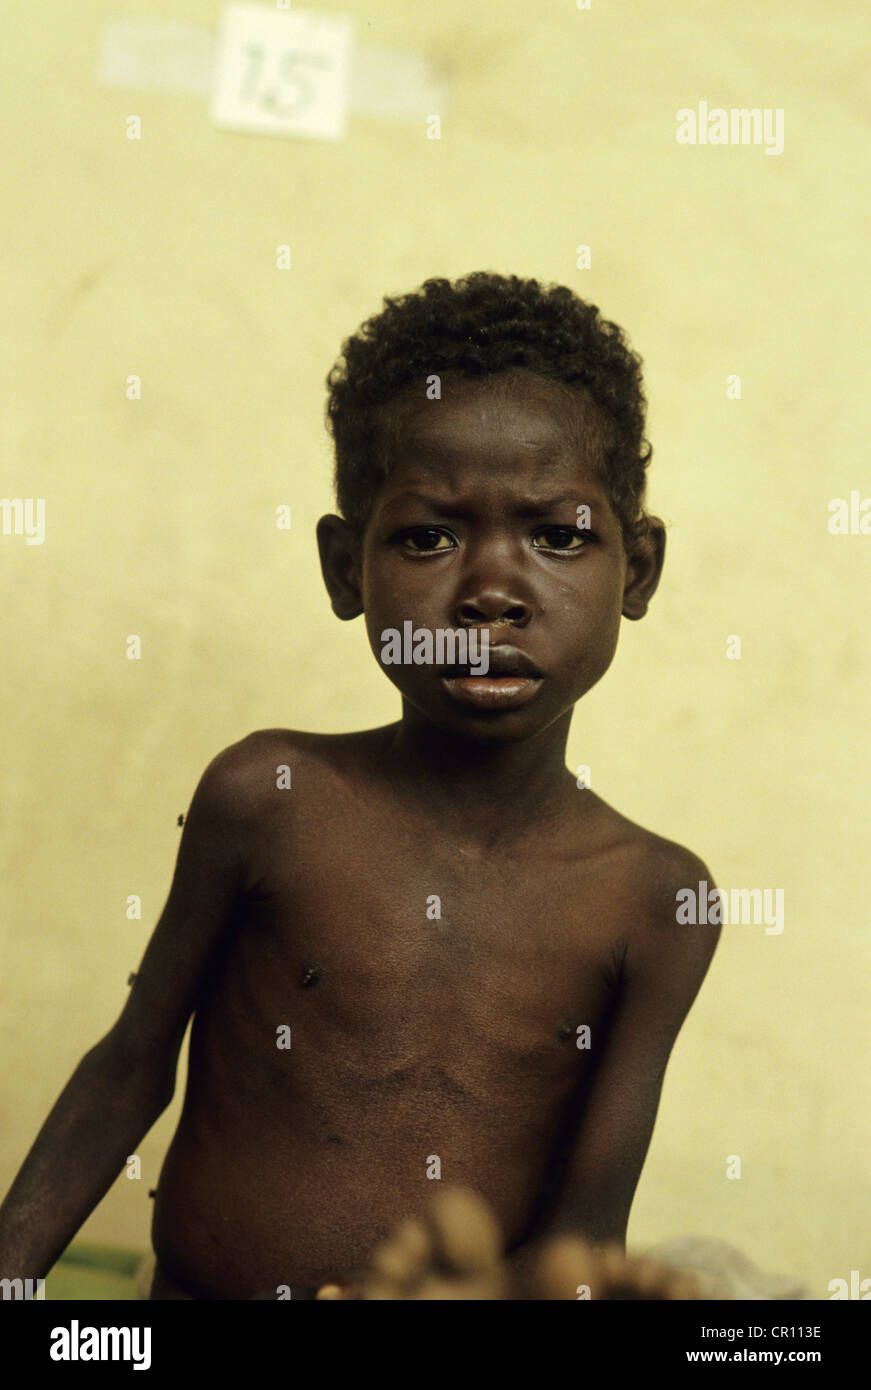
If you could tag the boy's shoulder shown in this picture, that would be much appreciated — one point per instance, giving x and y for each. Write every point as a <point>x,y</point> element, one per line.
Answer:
<point>242,778</point>
<point>652,868</point>
<point>643,875</point>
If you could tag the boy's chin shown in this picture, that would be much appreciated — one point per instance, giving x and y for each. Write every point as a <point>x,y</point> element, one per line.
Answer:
<point>480,710</point>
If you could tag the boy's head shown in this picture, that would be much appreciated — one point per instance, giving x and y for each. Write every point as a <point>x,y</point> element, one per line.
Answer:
<point>478,327</point>
<point>490,468</point>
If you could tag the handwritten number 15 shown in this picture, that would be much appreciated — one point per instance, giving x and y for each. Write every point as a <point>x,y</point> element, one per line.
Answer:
<point>288,71</point>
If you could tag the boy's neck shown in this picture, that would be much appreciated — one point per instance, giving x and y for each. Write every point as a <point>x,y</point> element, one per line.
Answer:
<point>497,790</point>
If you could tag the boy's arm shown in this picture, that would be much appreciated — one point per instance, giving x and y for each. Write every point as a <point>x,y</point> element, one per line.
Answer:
<point>124,1083</point>
<point>664,966</point>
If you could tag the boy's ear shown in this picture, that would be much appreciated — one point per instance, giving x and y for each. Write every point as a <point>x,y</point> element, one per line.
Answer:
<point>339,550</point>
<point>643,569</point>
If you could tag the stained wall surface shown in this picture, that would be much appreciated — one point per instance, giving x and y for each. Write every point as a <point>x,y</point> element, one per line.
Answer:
<point>157,257</point>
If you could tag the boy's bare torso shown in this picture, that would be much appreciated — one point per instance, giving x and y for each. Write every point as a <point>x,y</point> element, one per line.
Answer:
<point>418,1044</point>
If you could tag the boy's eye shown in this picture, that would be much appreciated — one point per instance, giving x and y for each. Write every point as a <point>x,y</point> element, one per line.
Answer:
<point>426,540</point>
<point>423,534</point>
<point>563,538</point>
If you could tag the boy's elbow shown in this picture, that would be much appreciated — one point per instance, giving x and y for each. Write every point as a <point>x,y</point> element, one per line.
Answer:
<point>142,1075</point>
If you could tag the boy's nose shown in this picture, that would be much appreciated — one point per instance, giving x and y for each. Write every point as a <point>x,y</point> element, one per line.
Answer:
<point>493,605</point>
<point>492,586</point>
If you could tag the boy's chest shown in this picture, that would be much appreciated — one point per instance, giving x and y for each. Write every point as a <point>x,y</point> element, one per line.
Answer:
<point>396,937</point>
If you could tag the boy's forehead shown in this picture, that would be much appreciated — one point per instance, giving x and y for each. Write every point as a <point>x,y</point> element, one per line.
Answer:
<point>515,425</point>
<point>517,404</point>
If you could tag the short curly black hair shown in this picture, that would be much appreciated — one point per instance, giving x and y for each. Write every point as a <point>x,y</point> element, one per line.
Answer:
<point>478,326</point>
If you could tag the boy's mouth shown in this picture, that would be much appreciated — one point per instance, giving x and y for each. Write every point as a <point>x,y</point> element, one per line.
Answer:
<point>501,661</point>
<point>511,680</point>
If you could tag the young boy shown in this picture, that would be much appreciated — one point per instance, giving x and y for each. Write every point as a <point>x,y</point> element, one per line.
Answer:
<point>421,951</point>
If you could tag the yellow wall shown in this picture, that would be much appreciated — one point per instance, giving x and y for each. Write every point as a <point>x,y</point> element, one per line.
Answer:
<point>157,257</point>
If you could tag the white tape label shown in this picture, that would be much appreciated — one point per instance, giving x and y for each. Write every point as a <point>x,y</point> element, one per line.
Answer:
<point>282,72</point>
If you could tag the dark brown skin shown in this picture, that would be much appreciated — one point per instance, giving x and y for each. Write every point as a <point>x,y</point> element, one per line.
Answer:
<point>412,1037</point>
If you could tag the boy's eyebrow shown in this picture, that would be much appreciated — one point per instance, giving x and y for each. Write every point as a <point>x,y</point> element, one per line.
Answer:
<point>527,507</point>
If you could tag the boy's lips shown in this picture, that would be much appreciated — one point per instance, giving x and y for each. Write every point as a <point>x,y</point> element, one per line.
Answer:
<point>511,680</point>
<point>502,660</point>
